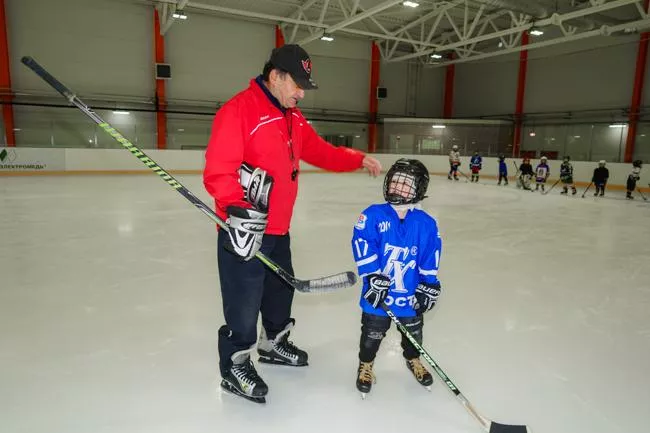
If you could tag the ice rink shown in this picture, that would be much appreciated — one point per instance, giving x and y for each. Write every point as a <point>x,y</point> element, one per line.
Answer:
<point>109,308</point>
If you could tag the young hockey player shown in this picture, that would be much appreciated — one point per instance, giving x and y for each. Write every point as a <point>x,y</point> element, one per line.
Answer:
<point>601,174</point>
<point>503,170</point>
<point>633,177</point>
<point>541,173</point>
<point>525,174</point>
<point>454,162</point>
<point>475,164</point>
<point>397,247</point>
<point>566,176</point>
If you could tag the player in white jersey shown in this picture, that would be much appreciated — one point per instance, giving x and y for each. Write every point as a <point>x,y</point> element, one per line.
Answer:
<point>454,162</point>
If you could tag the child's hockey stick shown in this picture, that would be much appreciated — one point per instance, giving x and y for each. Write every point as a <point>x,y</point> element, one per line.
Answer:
<point>488,425</point>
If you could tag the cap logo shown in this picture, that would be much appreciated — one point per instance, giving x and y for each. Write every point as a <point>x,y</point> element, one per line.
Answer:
<point>306,65</point>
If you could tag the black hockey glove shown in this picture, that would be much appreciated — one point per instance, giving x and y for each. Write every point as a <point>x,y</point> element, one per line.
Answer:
<point>377,290</point>
<point>245,230</point>
<point>426,296</point>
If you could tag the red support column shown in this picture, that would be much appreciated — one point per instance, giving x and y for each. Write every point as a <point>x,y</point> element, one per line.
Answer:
<point>5,80</point>
<point>161,102</point>
<point>521,91</point>
<point>637,92</point>
<point>450,73</point>
<point>279,37</point>
<point>373,103</point>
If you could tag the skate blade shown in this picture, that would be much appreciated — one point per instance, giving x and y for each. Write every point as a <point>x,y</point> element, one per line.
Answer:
<point>229,389</point>
<point>269,360</point>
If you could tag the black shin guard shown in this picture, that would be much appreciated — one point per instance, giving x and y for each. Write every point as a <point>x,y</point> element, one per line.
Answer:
<point>373,330</point>
<point>414,326</point>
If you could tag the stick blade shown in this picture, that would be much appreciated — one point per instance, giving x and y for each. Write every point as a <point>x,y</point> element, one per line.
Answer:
<point>327,284</point>
<point>495,427</point>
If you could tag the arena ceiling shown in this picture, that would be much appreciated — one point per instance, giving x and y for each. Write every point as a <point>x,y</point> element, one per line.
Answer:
<point>433,32</point>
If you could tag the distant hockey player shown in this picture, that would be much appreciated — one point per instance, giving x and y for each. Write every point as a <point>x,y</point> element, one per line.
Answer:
<point>454,162</point>
<point>633,177</point>
<point>600,177</point>
<point>503,170</point>
<point>566,176</point>
<point>541,173</point>
<point>475,165</point>
<point>525,174</point>
<point>397,248</point>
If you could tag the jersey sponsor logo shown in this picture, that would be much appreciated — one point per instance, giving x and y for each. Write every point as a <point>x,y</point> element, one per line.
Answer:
<point>361,222</point>
<point>384,226</point>
<point>264,118</point>
<point>397,266</point>
<point>400,301</point>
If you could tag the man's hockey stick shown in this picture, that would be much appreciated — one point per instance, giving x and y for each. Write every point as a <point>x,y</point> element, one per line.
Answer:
<point>587,189</point>
<point>642,196</point>
<point>338,281</point>
<point>488,425</point>
<point>552,186</point>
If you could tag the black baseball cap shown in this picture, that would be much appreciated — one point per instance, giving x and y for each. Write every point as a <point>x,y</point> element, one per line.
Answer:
<point>295,60</point>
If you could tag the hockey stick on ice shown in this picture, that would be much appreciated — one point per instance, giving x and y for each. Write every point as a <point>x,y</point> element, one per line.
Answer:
<point>464,175</point>
<point>552,186</point>
<point>587,189</point>
<point>332,282</point>
<point>642,196</point>
<point>488,425</point>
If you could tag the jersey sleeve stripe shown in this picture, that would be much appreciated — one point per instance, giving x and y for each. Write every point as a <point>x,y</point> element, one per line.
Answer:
<point>428,272</point>
<point>367,260</point>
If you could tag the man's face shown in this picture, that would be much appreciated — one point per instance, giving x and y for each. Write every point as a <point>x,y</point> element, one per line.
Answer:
<point>285,89</point>
<point>402,185</point>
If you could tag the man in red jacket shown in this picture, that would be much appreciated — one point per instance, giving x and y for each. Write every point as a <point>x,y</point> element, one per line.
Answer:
<point>252,170</point>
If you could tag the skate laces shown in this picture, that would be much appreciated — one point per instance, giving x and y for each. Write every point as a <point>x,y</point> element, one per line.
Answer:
<point>286,347</point>
<point>418,368</point>
<point>365,372</point>
<point>246,373</point>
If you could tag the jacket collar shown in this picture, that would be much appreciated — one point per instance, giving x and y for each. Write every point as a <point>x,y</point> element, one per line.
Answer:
<point>259,83</point>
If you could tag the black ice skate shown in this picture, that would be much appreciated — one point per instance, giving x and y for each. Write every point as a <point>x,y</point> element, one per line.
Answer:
<point>242,379</point>
<point>280,350</point>
<point>574,191</point>
<point>421,374</point>
<point>365,378</point>
<point>449,176</point>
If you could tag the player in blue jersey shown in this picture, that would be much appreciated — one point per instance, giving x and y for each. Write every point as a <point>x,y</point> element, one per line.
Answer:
<point>503,170</point>
<point>541,173</point>
<point>397,249</point>
<point>475,165</point>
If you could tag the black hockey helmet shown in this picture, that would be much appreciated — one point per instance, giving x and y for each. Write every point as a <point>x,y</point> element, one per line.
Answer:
<point>502,158</point>
<point>567,158</point>
<point>637,163</point>
<point>410,172</point>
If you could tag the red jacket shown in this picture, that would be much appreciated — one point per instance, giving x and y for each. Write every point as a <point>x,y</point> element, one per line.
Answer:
<point>250,128</point>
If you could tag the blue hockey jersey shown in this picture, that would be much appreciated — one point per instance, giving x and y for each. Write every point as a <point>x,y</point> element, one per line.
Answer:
<point>503,168</point>
<point>476,161</point>
<point>408,251</point>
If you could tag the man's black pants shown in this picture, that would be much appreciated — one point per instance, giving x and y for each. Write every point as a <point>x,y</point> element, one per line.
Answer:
<point>248,288</point>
